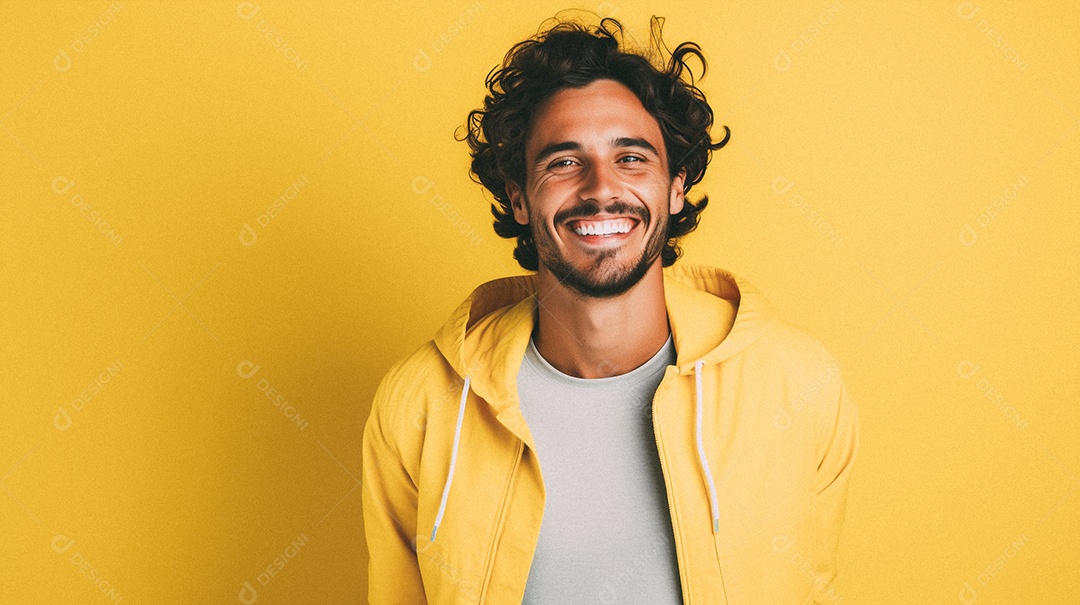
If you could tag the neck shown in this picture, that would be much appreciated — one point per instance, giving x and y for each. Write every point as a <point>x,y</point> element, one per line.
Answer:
<point>600,337</point>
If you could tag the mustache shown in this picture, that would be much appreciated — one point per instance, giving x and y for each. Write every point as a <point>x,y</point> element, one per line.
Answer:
<point>587,209</point>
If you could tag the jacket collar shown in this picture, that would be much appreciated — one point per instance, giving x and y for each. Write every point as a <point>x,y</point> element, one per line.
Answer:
<point>713,315</point>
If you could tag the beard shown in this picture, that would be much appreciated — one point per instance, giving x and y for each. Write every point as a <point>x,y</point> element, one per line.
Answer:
<point>603,276</point>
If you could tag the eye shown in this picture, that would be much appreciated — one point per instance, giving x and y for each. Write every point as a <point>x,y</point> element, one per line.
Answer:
<point>561,163</point>
<point>635,158</point>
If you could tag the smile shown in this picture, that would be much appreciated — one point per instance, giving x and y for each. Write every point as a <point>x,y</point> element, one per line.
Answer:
<point>612,226</point>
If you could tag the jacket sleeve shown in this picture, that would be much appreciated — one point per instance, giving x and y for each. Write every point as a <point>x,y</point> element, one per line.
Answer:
<point>837,449</point>
<point>389,505</point>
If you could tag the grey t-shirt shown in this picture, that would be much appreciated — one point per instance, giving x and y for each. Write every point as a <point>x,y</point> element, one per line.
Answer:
<point>606,535</point>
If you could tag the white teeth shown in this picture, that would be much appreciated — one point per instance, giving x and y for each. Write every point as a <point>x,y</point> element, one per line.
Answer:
<point>607,227</point>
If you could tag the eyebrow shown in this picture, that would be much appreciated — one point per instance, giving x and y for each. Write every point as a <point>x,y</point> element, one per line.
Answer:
<point>633,142</point>
<point>554,148</point>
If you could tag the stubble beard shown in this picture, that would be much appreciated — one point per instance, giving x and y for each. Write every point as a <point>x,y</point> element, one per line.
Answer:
<point>602,278</point>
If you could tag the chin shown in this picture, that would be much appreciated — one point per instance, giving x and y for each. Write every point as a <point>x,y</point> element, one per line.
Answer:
<point>600,282</point>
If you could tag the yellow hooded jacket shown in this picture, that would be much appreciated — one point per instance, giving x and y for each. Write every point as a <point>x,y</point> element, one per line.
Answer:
<point>755,430</point>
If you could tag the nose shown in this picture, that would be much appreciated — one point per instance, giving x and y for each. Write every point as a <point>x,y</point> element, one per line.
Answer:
<point>602,184</point>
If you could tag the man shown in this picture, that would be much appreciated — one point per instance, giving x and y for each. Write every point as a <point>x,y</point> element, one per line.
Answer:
<point>614,428</point>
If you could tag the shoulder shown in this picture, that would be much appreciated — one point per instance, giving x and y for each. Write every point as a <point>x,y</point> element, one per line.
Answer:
<point>793,348</point>
<point>806,391</point>
<point>410,386</point>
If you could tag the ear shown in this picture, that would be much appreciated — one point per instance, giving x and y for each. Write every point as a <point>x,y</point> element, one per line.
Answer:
<point>677,197</point>
<point>517,203</point>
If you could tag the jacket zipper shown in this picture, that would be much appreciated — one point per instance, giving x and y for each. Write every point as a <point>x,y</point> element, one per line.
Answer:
<point>499,523</point>
<point>684,580</point>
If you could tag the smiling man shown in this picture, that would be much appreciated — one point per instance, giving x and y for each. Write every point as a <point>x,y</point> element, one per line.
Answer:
<point>613,428</point>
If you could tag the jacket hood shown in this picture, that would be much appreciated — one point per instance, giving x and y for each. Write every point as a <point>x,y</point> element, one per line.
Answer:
<point>713,315</point>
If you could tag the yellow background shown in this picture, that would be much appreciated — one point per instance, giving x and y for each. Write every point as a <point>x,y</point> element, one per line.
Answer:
<point>901,182</point>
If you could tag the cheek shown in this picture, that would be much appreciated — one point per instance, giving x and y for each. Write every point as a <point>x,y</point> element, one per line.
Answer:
<point>550,188</point>
<point>547,198</point>
<point>652,193</point>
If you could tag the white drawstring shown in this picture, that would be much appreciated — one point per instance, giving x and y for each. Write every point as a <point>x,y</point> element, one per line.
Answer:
<point>453,459</point>
<point>701,453</point>
<point>715,508</point>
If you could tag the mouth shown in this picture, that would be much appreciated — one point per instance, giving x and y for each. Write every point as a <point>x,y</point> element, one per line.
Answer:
<point>596,230</point>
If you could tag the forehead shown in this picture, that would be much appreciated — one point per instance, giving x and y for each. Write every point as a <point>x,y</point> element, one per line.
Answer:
<point>593,114</point>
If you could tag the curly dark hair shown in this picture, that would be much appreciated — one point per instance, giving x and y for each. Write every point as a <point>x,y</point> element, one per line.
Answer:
<point>571,55</point>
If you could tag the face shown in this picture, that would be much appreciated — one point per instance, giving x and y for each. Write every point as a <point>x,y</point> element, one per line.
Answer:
<point>597,192</point>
